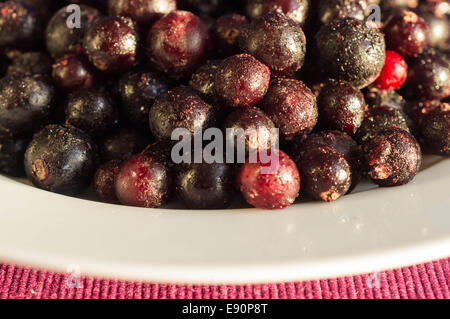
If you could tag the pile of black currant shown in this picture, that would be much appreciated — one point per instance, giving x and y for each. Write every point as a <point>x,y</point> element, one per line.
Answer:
<point>91,92</point>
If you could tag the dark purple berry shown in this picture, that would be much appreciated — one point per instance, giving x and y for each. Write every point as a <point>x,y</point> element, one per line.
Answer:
<point>60,39</point>
<point>339,141</point>
<point>111,44</point>
<point>242,81</point>
<point>178,44</point>
<point>429,77</point>
<point>61,159</point>
<point>350,50</point>
<point>31,63</point>
<point>329,10</point>
<point>162,151</point>
<point>257,127</point>
<point>225,33</point>
<point>181,108</point>
<point>406,33</point>
<point>434,131</point>
<point>121,143</point>
<point>292,106</point>
<point>275,189</point>
<point>26,101</point>
<point>137,91</point>
<point>91,110</point>
<point>143,181</point>
<point>20,25</point>
<point>72,72</point>
<point>379,119</point>
<point>341,107</point>
<point>326,174</point>
<point>296,10</point>
<point>205,186</point>
<point>393,157</point>
<point>105,180</point>
<point>12,151</point>
<point>203,80</point>
<point>144,12</point>
<point>276,41</point>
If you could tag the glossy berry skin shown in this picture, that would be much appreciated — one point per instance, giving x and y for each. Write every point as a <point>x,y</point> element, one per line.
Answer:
<point>242,81</point>
<point>12,151</point>
<point>434,131</point>
<point>61,159</point>
<point>329,10</point>
<point>137,91</point>
<point>105,180</point>
<point>111,44</point>
<point>260,130</point>
<point>143,181</point>
<point>326,174</point>
<point>31,63</point>
<point>351,51</point>
<point>181,107</point>
<point>20,25</point>
<point>205,186</point>
<point>379,119</point>
<point>296,10</point>
<point>225,33</point>
<point>72,72</point>
<point>406,33</point>
<point>292,106</point>
<point>276,41</point>
<point>429,77</point>
<point>144,12</point>
<point>91,110</point>
<point>394,157</point>
<point>270,188</point>
<point>339,141</point>
<point>203,79</point>
<point>178,44</point>
<point>121,143</point>
<point>341,107</point>
<point>394,73</point>
<point>60,39</point>
<point>25,102</point>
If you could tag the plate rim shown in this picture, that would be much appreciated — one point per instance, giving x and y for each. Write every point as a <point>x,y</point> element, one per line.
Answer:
<point>332,267</point>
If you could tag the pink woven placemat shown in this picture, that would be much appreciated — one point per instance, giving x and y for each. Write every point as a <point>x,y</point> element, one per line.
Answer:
<point>430,280</point>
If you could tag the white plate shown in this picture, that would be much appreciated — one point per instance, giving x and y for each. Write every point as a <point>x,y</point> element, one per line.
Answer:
<point>373,229</point>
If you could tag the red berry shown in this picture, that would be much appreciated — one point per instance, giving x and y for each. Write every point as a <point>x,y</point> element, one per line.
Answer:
<point>178,44</point>
<point>406,33</point>
<point>112,44</point>
<point>242,81</point>
<point>72,72</point>
<point>394,72</point>
<point>273,189</point>
<point>143,181</point>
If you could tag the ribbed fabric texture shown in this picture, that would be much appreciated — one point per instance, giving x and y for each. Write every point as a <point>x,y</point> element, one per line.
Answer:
<point>429,280</point>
